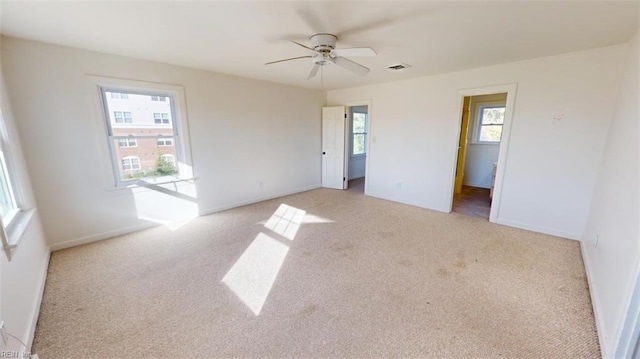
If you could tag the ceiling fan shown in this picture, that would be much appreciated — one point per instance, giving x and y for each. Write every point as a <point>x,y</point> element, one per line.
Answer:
<point>325,53</point>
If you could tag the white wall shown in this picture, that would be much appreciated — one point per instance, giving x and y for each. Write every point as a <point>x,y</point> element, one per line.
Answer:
<point>613,265</point>
<point>551,166</point>
<point>250,140</point>
<point>357,164</point>
<point>478,166</point>
<point>22,279</point>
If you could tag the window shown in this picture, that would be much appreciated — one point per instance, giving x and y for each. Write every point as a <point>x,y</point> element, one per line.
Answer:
<point>151,149</point>
<point>123,96</point>
<point>131,163</point>
<point>359,126</point>
<point>490,122</point>
<point>165,142</point>
<point>122,117</point>
<point>170,159</point>
<point>14,210</point>
<point>161,118</point>
<point>127,142</point>
<point>8,206</point>
<point>158,98</point>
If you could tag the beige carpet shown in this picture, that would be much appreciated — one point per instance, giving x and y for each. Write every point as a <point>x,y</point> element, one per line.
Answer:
<point>381,280</point>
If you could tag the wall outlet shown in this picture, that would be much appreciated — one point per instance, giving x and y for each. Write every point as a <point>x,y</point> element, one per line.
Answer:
<point>595,241</point>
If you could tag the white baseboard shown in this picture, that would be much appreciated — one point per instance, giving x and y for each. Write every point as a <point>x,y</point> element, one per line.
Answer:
<point>538,229</point>
<point>595,302</point>
<point>101,236</point>
<point>410,203</point>
<point>121,231</point>
<point>224,207</point>
<point>477,185</point>
<point>36,310</point>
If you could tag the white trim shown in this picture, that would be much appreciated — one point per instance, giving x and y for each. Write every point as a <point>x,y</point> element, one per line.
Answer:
<point>595,301</point>
<point>101,236</point>
<point>130,164</point>
<point>628,333</point>
<point>181,121</point>
<point>477,185</point>
<point>224,207</point>
<point>402,201</point>
<point>477,122</point>
<point>352,133</point>
<point>367,160</point>
<point>511,90</point>
<point>35,314</point>
<point>538,229</point>
<point>140,227</point>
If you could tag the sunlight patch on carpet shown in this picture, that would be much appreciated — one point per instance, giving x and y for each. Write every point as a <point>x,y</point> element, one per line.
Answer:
<point>286,221</point>
<point>254,273</point>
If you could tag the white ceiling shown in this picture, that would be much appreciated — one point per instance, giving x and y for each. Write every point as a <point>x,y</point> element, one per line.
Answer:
<point>239,37</point>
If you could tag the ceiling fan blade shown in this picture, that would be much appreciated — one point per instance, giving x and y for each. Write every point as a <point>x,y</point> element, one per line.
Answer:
<point>350,65</point>
<point>299,44</point>
<point>293,58</point>
<point>313,72</point>
<point>311,19</point>
<point>355,52</point>
<point>386,21</point>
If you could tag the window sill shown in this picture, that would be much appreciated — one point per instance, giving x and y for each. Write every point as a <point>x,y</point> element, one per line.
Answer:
<point>358,156</point>
<point>143,184</point>
<point>16,229</point>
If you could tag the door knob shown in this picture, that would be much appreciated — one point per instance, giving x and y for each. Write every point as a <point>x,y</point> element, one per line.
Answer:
<point>324,153</point>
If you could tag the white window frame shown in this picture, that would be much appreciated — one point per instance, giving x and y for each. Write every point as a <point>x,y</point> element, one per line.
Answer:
<point>173,93</point>
<point>15,223</point>
<point>123,118</point>
<point>169,158</point>
<point>164,141</point>
<point>159,98</point>
<point>161,117</point>
<point>128,142</point>
<point>353,134</point>
<point>119,95</point>
<point>477,124</point>
<point>130,158</point>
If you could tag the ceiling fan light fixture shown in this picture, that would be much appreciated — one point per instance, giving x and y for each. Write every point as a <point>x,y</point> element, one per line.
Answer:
<point>321,59</point>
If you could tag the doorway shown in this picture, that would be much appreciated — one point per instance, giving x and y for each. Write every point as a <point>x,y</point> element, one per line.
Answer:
<point>481,132</point>
<point>356,147</point>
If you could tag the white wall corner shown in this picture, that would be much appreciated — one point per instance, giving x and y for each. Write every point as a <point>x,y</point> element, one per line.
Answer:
<point>30,335</point>
<point>595,302</point>
<point>101,236</point>
<point>253,200</point>
<point>539,229</point>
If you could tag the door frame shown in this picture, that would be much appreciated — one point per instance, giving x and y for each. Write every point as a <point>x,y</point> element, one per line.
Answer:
<point>510,89</point>
<point>347,149</point>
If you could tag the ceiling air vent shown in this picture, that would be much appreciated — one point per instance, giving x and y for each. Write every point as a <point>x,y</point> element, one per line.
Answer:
<point>399,67</point>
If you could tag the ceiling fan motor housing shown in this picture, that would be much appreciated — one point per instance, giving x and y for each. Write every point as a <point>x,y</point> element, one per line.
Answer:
<point>323,43</point>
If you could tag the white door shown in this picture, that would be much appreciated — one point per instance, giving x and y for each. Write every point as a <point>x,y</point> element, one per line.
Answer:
<point>333,132</point>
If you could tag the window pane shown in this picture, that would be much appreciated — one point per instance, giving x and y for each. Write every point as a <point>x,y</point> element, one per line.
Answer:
<point>7,202</point>
<point>141,158</point>
<point>136,126</point>
<point>493,115</point>
<point>359,122</point>
<point>358,144</point>
<point>490,133</point>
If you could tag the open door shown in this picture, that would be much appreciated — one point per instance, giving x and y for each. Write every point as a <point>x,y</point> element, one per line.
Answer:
<point>333,155</point>
<point>462,146</point>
